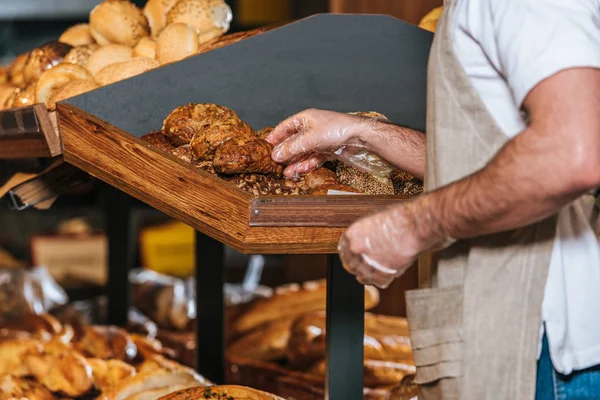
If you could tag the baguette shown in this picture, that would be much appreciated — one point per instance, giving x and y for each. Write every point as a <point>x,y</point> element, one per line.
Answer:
<point>376,373</point>
<point>292,300</point>
<point>268,342</point>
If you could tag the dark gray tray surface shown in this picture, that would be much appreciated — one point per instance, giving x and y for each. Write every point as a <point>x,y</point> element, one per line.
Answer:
<point>337,62</point>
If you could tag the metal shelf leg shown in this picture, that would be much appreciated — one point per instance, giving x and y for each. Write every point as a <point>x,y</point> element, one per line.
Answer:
<point>345,331</point>
<point>210,311</point>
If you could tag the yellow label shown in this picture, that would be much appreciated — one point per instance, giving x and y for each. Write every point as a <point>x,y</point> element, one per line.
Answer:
<point>168,249</point>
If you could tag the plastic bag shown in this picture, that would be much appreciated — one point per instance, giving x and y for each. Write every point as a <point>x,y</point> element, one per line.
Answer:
<point>28,291</point>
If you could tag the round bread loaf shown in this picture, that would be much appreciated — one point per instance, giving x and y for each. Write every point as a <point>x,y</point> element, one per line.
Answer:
<point>145,48</point>
<point>156,12</point>
<point>70,89</point>
<point>176,42</point>
<point>24,97</point>
<point>125,69</point>
<point>118,22</point>
<point>210,18</point>
<point>43,58</point>
<point>107,55</point>
<point>56,77</point>
<point>77,35</point>
<point>81,54</point>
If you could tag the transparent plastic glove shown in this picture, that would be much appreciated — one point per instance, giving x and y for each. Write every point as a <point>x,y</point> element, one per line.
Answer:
<point>381,247</point>
<point>308,139</point>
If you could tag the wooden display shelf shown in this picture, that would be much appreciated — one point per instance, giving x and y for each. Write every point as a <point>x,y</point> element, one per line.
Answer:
<point>29,132</point>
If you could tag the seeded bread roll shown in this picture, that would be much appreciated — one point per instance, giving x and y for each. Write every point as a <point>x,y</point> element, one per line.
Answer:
<point>406,184</point>
<point>77,35</point>
<point>107,55</point>
<point>156,13</point>
<point>81,54</point>
<point>56,77</point>
<point>363,181</point>
<point>145,48</point>
<point>210,18</point>
<point>44,58</point>
<point>70,89</point>
<point>125,69</point>
<point>176,42</point>
<point>118,22</point>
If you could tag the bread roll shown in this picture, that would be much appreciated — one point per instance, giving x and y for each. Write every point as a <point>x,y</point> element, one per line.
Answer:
<point>43,58</point>
<point>156,12</point>
<point>158,140</point>
<point>24,97</point>
<point>126,69</point>
<point>56,77</point>
<point>176,42</point>
<point>224,392</point>
<point>118,22</point>
<point>81,54</point>
<point>107,55</point>
<point>210,18</point>
<point>70,89</point>
<point>292,300</point>
<point>7,93</point>
<point>145,48</point>
<point>16,70</point>
<point>77,35</point>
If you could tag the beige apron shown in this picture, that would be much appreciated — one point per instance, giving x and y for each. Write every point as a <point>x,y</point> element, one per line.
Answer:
<point>475,330</point>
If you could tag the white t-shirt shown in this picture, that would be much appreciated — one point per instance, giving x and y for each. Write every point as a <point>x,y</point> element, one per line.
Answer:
<point>506,48</point>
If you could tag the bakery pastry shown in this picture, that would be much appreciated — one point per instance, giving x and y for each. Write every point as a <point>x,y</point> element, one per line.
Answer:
<point>292,300</point>
<point>265,132</point>
<point>148,347</point>
<point>125,69</point>
<point>206,141</point>
<point>183,123</point>
<point>245,154</point>
<point>225,392</point>
<point>109,373</point>
<point>56,77</point>
<point>13,387</point>
<point>210,18</point>
<point>77,35</point>
<point>7,93</point>
<point>44,58</point>
<point>70,89</point>
<point>176,42</point>
<point>24,97</point>
<point>119,22</point>
<point>107,55</point>
<point>105,342</point>
<point>268,342</point>
<point>158,140</point>
<point>319,177</point>
<point>81,54</point>
<point>44,325</point>
<point>146,47</point>
<point>364,181</point>
<point>376,373</point>
<point>386,339</point>
<point>156,12</point>
<point>59,368</point>
<point>15,71</point>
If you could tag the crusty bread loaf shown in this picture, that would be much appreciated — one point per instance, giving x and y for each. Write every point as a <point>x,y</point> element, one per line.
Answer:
<point>107,55</point>
<point>77,35</point>
<point>268,342</point>
<point>176,42</point>
<point>125,69</point>
<point>292,300</point>
<point>56,77</point>
<point>70,89</point>
<point>156,12</point>
<point>224,392</point>
<point>145,48</point>
<point>118,22</point>
<point>210,18</point>
<point>376,373</point>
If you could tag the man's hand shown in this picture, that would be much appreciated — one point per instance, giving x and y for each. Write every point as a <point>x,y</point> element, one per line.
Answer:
<point>381,247</point>
<point>308,139</point>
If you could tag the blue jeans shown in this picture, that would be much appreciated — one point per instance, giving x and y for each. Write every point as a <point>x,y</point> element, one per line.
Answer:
<point>551,385</point>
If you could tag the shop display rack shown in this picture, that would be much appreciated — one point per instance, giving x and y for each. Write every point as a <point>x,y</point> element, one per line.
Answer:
<point>337,62</point>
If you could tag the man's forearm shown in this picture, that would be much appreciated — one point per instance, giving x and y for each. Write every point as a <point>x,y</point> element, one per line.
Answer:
<point>530,178</point>
<point>403,147</point>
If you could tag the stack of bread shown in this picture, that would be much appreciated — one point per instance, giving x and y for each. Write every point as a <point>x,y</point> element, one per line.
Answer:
<point>120,41</point>
<point>215,139</point>
<point>42,358</point>
<point>289,329</point>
